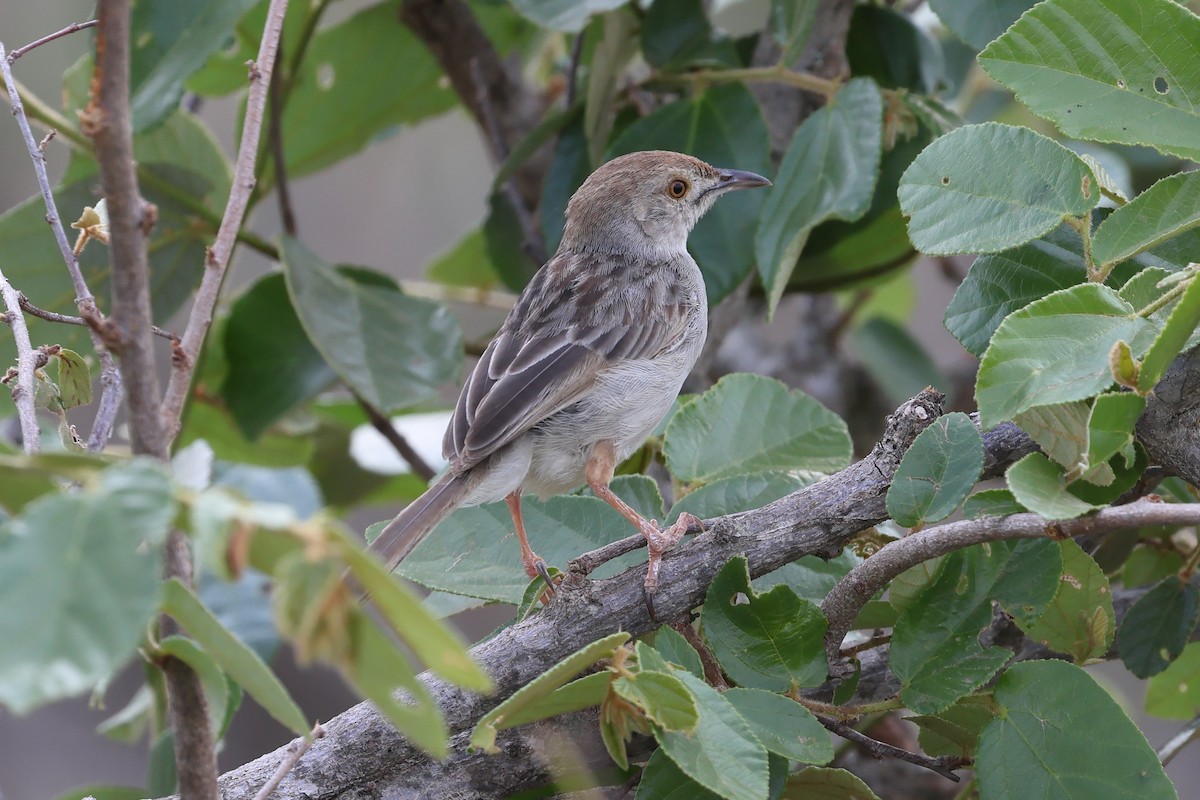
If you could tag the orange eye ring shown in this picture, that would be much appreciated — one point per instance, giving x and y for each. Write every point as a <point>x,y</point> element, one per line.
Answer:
<point>677,188</point>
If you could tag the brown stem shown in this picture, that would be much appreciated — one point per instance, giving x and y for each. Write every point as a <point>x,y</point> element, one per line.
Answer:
<point>287,216</point>
<point>942,765</point>
<point>295,751</point>
<point>381,423</point>
<point>67,319</point>
<point>72,28</point>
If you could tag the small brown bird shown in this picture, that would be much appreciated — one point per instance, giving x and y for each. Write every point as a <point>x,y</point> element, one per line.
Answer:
<point>590,358</point>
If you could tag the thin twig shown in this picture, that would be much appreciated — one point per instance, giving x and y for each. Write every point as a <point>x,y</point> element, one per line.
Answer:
<point>777,74</point>
<point>712,669</point>
<point>287,216</point>
<point>235,210</point>
<point>942,765</point>
<point>852,592</point>
<point>67,319</point>
<point>1189,734</point>
<point>72,28</point>
<point>22,393</point>
<point>112,389</point>
<point>533,245</point>
<point>295,751</point>
<point>573,70</point>
<point>385,427</point>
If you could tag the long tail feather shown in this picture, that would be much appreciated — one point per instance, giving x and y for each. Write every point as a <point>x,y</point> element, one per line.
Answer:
<point>420,517</point>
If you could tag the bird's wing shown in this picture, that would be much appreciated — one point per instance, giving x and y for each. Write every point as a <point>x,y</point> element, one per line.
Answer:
<point>569,324</point>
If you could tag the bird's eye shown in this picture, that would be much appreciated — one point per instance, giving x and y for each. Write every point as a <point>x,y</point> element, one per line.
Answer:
<point>677,188</point>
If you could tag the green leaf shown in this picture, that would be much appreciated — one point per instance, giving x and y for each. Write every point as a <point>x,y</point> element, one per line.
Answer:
<point>990,187</point>
<point>1039,485</point>
<point>568,169</point>
<point>991,503</point>
<point>74,379</point>
<point>723,126</point>
<point>896,361</point>
<point>161,777</point>
<point>474,551</point>
<point>377,669</point>
<point>585,692</point>
<point>935,645</point>
<point>720,434</point>
<point>371,69</point>
<point>1174,336</point>
<point>542,687</point>
<point>772,640</point>
<point>170,41</point>
<point>465,264</point>
<point>998,284</point>
<point>783,726</point>
<point>662,780</point>
<point>79,576</point>
<point>937,472</point>
<point>1036,747</point>
<point>827,783</point>
<point>217,689</point>
<point>564,15</point>
<point>1149,564</point>
<point>1165,210</point>
<point>273,367</point>
<point>722,754</point>
<point>828,172</point>
<point>955,731</point>
<point>1061,430</point>
<point>677,34</point>
<point>1108,71</point>
<point>676,650</point>
<point>431,640</point>
<point>1174,693</point>
<point>1110,425</point>
<point>19,487</point>
<point>1158,626</point>
<point>205,421</point>
<point>977,22</point>
<point>1055,350</point>
<point>740,493</point>
<point>1080,620</point>
<point>662,698</point>
<point>240,662</point>
<point>811,577</point>
<point>791,23</point>
<point>890,47</point>
<point>392,349</point>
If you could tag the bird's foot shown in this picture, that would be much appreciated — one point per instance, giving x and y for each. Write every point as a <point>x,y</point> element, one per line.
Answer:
<point>535,567</point>
<point>658,541</point>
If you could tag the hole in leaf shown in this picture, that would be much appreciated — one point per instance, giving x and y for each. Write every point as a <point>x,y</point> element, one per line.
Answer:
<point>1160,85</point>
<point>326,76</point>
<point>739,599</point>
<point>945,180</point>
<point>1120,83</point>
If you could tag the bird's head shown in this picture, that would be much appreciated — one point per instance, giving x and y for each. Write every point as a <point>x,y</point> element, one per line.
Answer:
<point>645,204</point>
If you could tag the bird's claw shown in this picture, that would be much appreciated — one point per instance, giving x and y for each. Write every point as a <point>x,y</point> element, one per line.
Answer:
<point>658,541</point>
<point>543,571</point>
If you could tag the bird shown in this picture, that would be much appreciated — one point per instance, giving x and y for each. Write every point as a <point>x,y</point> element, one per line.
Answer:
<point>589,360</point>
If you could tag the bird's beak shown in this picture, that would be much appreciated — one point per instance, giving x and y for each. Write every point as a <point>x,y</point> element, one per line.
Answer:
<point>740,179</point>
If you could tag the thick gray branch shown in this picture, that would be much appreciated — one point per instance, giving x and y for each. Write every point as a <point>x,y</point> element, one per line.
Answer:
<point>1170,426</point>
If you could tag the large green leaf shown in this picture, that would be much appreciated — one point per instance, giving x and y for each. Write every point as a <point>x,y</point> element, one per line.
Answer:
<point>791,24</point>
<point>827,783</point>
<point>359,80</point>
<point>772,640</point>
<point>720,433</point>
<point>662,780</point>
<point>724,127</point>
<point>392,349</point>
<point>79,577</point>
<point>740,493</point>
<point>272,366</point>
<point>1054,350</point>
<point>677,34</point>
<point>890,47</point>
<point>169,42</point>
<point>977,22</point>
<point>998,284</point>
<point>1107,70</point>
<point>1080,620</point>
<point>1175,336</point>
<point>474,551</point>
<point>937,472</point>
<point>1041,486</point>
<point>935,645</point>
<point>1164,211</point>
<point>829,172</point>
<point>1039,746</point>
<point>1158,626</point>
<point>722,754</point>
<point>784,726</point>
<point>990,187</point>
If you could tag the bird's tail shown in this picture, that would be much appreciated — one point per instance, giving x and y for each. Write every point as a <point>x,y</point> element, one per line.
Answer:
<point>421,516</point>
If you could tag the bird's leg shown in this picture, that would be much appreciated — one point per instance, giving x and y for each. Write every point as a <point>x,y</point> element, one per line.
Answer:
<point>533,564</point>
<point>601,464</point>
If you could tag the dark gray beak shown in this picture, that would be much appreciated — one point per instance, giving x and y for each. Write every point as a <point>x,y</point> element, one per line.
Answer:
<point>740,179</point>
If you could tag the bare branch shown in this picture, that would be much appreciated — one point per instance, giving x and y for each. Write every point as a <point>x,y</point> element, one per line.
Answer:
<point>942,765</point>
<point>22,393</point>
<point>67,319</point>
<point>381,423</point>
<point>852,592</point>
<point>1189,734</point>
<point>184,364</point>
<point>72,28</point>
<point>295,751</point>
<point>112,390</point>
